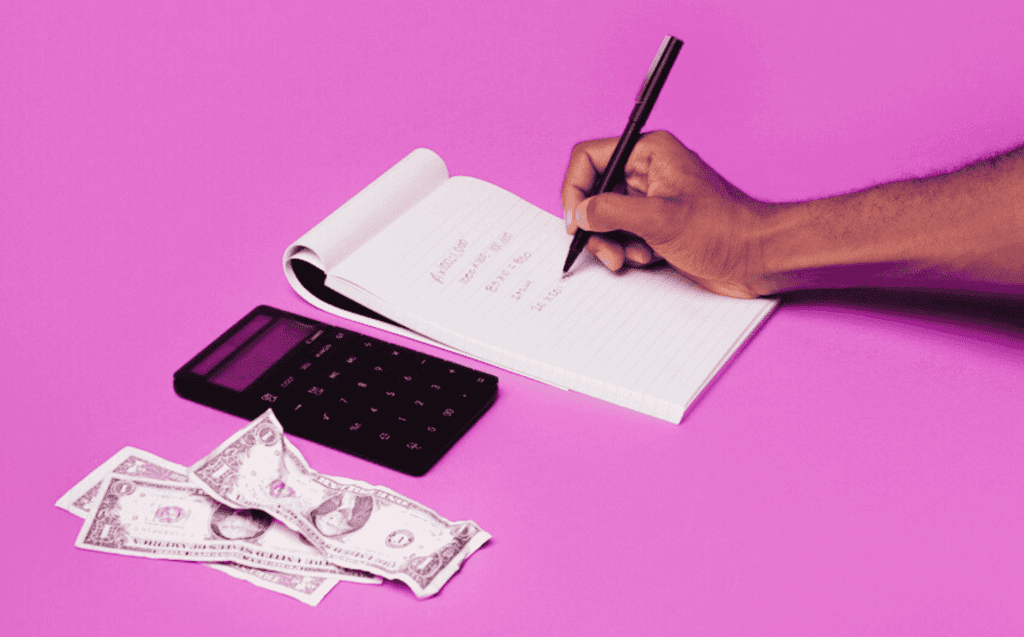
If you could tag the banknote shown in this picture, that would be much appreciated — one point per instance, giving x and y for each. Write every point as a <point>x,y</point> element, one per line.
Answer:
<point>133,462</point>
<point>304,588</point>
<point>126,462</point>
<point>179,521</point>
<point>352,523</point>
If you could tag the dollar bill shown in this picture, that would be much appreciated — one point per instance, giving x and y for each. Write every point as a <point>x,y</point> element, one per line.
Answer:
<point>352,523</point>
<point>126,462</point>
<point>179,521</point>
<point>304,588</point>
<point>131,462</point>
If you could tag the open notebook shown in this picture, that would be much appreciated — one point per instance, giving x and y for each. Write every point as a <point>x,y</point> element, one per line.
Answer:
<point>460,263</point>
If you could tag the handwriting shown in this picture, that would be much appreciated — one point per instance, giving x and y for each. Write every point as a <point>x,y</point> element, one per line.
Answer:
<point>471,272</point>
<point>501,241</point>
<point>506,272</point>
<point>518,294</point>
<point>454,254</point>
<point>494,247</point>
<point>547,298</point>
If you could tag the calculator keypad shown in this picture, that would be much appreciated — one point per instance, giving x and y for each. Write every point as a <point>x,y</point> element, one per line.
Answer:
<point>385,403</point>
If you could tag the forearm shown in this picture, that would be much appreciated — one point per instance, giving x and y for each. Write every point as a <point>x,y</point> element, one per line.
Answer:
<point>962,230</point>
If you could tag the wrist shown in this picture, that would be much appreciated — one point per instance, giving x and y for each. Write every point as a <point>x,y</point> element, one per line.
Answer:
<point>804,248</point>
<point>840,242</point>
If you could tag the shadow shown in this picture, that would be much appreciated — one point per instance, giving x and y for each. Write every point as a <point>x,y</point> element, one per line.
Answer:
<point>313,279</point>
<point>995,321</point>
<point>995,318</point>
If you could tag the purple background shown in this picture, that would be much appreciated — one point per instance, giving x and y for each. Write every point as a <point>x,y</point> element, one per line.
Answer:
<point>856,470</point>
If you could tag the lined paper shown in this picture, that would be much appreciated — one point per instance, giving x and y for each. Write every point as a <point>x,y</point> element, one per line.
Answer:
<point>479,269</point>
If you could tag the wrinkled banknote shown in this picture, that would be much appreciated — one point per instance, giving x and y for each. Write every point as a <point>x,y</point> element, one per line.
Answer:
<point>304,588</point>
<point>131,462</point>
<point>126,462</point>
<point>352,523</point>
<point>179,521</point>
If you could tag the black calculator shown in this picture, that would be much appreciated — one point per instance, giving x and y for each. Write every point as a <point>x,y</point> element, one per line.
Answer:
<point>388,404</point>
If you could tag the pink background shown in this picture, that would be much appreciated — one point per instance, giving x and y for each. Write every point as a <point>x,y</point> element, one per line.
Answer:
<point>856,470</point>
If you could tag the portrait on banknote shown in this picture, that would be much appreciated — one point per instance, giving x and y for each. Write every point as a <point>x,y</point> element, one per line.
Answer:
<point>239,524</point>
<point>342,514</point>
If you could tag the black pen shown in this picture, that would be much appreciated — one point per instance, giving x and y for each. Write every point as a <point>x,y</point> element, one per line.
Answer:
<point>615,172</point>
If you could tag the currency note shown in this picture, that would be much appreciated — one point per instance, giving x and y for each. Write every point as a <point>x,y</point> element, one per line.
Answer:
<point>179,521</point>
<point>126,462</point>
<point>352,523</point>
<point>133,462</point>
<point>304,588</point>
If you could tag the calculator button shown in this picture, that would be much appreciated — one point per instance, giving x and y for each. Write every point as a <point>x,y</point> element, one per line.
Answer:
<point>323,352</point>
<point>376,413</point>
<point>381,443</point>
<point>353,436</point>
<point>332,374</point>
<point>367,345</point>
<point>351,361</point>
<point>299,407</point>
<point>360,387</point>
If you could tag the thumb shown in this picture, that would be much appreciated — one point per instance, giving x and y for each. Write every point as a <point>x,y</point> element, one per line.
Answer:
<point>642,216</point>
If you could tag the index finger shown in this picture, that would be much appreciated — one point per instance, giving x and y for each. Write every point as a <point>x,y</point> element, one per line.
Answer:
<point>587,162</point>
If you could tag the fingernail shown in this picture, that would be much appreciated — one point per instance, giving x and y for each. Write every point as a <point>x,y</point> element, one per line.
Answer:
<point>568,218</point>
<point>581,215</point>
<point>605,259</point>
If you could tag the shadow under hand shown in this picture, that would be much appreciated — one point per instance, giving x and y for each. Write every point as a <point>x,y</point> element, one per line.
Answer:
<point>992,318</point>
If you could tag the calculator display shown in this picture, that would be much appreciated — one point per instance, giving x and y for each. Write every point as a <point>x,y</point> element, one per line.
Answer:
<point>209,361</point>
<point>261,353</point>
<point>388,404</point>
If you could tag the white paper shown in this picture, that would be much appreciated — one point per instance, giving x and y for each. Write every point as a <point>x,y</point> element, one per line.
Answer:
<point>479,269</point>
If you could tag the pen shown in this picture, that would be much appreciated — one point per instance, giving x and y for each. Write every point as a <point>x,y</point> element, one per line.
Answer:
<point>615,172</point>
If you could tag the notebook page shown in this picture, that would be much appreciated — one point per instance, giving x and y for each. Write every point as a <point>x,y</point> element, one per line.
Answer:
<point>479,269</point>
<point>367,213</point>
<point>382,201</point>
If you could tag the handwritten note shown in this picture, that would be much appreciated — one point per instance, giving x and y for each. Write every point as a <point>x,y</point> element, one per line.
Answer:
<point>479,269</point>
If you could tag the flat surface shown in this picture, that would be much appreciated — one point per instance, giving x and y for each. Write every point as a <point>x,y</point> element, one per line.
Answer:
<point>856,470</point>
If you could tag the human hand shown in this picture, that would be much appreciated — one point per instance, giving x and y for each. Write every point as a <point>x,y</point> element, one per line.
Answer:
<point>676,208</point>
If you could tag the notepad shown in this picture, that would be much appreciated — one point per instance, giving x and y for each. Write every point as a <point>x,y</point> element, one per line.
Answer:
<point>463,264</point>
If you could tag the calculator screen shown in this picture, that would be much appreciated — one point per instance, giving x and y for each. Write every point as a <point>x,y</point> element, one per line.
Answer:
<point>258,355</point>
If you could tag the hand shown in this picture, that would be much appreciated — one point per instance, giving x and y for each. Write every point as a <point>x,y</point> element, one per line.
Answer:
<point>676,208</point>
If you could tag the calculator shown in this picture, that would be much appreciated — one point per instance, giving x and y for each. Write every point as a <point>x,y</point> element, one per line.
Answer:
<point>387,404</point>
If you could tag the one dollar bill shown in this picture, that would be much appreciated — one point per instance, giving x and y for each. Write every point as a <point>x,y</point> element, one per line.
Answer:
<point>353,524</point>
<point>131,462</point>
<point>179,521</point>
